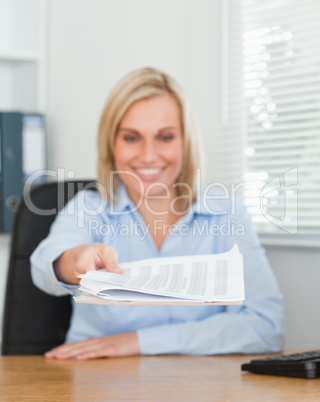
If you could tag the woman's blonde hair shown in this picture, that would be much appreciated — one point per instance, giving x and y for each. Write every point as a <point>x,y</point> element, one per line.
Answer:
<point>144,84</point>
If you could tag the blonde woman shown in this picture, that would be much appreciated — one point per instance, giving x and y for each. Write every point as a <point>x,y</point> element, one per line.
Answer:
<point>149,206</point>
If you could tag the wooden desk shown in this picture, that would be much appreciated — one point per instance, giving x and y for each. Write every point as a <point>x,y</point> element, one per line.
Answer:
<point>169,378</point>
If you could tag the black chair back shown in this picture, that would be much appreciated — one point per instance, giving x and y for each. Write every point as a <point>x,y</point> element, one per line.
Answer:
<point>34,321</point>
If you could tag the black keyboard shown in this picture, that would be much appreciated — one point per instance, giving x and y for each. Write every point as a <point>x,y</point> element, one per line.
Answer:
<point>302,365</point>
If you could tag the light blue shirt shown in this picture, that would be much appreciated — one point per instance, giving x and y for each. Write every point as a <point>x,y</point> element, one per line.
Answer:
<point>212,225</point>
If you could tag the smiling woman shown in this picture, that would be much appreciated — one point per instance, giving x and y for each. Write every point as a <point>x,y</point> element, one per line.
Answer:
<point>148,206</point>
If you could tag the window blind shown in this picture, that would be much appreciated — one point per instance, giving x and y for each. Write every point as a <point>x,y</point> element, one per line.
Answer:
<point>272,78</point>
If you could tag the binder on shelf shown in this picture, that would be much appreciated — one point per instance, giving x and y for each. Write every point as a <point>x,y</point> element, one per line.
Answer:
<point>33,148</point>
<point>11,167</point>
<point>22,152</point>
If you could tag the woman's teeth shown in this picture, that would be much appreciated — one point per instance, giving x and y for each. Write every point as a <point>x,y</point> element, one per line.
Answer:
<point>149,172</point>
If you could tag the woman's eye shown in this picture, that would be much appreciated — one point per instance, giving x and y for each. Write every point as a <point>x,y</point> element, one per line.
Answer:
<point>130,138</point>
<point>166,138</point>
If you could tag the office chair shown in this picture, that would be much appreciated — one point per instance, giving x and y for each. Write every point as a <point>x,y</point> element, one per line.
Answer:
<point>34,321</point>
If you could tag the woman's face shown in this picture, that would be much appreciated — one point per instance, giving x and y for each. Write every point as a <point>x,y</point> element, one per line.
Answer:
<point>149,147</point>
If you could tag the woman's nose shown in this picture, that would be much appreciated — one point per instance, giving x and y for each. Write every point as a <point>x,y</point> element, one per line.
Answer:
<point>149,152</point>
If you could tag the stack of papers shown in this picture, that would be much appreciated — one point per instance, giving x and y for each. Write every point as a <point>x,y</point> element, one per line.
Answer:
<point>186,280</point>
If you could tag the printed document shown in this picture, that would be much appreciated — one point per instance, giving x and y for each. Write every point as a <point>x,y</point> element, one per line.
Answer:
<point>216,278</point>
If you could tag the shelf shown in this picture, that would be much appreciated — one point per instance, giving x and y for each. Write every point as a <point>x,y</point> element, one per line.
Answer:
<point>19,83</point>
<point>23,55</point>
<point>19,56</point>
<point>289,240</point>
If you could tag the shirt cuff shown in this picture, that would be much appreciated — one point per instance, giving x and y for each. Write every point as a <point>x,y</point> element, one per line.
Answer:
<point>45,278</point>
<point>159,340</point>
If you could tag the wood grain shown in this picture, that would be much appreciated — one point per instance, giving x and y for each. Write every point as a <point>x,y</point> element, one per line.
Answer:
<point>170,378</point>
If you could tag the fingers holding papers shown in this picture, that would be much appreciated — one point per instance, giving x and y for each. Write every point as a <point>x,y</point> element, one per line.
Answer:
<point>81,259</point>
<point>95,256</point>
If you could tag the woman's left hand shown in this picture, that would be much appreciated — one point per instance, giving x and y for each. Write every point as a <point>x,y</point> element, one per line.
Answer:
<point>107,346</point>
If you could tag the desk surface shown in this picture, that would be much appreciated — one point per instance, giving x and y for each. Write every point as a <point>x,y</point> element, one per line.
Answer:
<point>170,378</point>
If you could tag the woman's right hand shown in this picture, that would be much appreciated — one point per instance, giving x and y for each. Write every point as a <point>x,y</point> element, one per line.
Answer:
<point>81,259</point>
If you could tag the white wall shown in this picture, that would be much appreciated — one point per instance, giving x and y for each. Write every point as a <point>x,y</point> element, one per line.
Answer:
<point>94,43</point>
<point>298,272</point>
